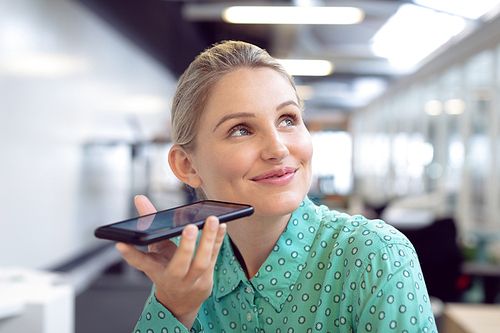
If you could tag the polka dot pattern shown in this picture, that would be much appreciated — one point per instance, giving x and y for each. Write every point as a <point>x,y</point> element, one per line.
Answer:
<point>329,272</point>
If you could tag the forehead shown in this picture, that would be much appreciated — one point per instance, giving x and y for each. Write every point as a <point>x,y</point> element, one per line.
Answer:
<point>250,88</point>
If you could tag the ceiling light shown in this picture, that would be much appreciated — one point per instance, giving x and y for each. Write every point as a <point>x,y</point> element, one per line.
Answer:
<point>303,67</point>
<point>137,104</point>
<point>433,108</point>
<point>292,15</point>
<point>413,33</point>
<point>42,65</point>
<point>465,8</point>
<point>454,106</point>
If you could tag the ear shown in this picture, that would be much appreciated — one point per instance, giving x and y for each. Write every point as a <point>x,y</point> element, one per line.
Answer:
<point>182,166</point>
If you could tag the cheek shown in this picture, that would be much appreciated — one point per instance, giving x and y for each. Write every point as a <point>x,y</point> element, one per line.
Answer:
<point>304,148</point>
<point>225,164</point>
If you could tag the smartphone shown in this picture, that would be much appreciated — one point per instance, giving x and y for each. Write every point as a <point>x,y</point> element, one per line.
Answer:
<point>169,223</point>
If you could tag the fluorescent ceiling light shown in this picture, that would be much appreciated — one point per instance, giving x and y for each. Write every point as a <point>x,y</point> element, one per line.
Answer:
<point>433,108</point>
<point>292,15</point>
<point>465,8</point>
<point>413,33</point>
<point>42,65</point>
<point>302,67</point>
<point>138,104</point>
<point>454,106</point>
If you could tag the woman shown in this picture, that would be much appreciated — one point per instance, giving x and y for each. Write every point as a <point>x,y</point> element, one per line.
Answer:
<point>291,266</point>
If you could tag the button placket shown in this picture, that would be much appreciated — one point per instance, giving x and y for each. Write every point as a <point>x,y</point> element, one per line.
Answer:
<point>249,309</point>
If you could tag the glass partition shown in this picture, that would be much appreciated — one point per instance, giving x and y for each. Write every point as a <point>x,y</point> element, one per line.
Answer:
<point>454,108</point>
<point>478,73</point>
<point>439,134</point>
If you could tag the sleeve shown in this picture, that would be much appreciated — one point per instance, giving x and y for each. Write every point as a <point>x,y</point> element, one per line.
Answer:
<point>394,296</point>
<point>155,318</point>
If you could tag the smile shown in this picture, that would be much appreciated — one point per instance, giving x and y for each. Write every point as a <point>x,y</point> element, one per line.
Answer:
<point>279,176</point>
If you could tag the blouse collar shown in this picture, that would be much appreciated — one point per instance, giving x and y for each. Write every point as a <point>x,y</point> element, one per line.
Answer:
<point>278,275</point>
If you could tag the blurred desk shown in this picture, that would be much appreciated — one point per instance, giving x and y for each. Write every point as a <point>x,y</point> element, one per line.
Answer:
<point>471,318</point>
<point>10,307</point>
<point>489,273</point>
<point>35,301</point>
<point>481,269</point>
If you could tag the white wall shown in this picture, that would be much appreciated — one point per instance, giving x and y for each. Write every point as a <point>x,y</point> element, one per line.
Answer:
<point>66,78</point>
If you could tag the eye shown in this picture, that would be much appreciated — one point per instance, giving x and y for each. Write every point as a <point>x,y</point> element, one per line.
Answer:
<point>288,120</point>
<point>239,131</point>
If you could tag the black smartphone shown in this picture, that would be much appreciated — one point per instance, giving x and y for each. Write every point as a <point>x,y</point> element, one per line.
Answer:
<point>169,223</point>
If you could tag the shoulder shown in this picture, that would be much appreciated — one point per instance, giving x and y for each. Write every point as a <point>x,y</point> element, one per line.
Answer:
<point>335,234</point>
<point>358,229</point>
<point>356,240</point>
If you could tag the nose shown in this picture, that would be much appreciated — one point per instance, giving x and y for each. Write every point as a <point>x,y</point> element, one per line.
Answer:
<point>274,147</point>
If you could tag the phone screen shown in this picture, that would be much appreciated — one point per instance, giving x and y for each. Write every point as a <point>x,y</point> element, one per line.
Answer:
<point>169,223</point>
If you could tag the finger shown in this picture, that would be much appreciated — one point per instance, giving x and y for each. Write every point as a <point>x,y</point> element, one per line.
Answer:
<point>206,247</point>
<point>143,223</point>
<point>181,260</point>
<point>152,264</point>
<point>133,256</point>
<point>143,205</point>
<point>221,232</point>
<point>164,247</point>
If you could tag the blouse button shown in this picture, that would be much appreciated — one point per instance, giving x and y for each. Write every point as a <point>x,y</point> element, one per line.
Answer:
<point>249,290</point>
<point>249,316</point>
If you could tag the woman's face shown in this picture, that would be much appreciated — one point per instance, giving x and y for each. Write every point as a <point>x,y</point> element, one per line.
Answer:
<point>252,146</point>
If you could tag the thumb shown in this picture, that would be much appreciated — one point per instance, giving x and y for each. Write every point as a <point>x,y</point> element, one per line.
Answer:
<point>143,205</point>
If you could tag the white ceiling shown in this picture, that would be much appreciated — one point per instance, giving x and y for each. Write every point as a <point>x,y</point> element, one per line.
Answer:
<point>177,30</point>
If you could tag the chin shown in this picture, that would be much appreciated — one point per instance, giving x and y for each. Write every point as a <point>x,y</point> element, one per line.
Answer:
<point>279,206</point>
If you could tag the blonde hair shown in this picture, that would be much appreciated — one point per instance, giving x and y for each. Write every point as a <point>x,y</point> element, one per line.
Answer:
<point>198,81</point>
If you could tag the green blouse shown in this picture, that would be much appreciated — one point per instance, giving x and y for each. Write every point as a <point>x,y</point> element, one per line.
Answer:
<point>328,272</point>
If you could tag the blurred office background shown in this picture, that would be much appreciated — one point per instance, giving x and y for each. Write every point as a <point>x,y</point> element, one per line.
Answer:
<point>408,100</point>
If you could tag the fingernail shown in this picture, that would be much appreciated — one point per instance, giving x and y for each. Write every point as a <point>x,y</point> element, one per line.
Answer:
<point>212,224</point>
<point>190,232</point>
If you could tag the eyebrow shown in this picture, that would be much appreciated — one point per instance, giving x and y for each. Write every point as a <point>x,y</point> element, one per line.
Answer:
<point>234,115</point>
<point>284,104</point>
<point>251,115</point>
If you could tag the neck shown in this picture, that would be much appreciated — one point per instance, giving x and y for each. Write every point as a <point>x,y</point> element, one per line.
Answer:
<point>254,239</point>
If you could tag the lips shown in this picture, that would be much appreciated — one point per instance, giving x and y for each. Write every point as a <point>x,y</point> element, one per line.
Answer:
<point>276,176</point>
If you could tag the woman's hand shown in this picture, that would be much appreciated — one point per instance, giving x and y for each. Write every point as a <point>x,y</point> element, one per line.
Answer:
<point>183,278</point>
